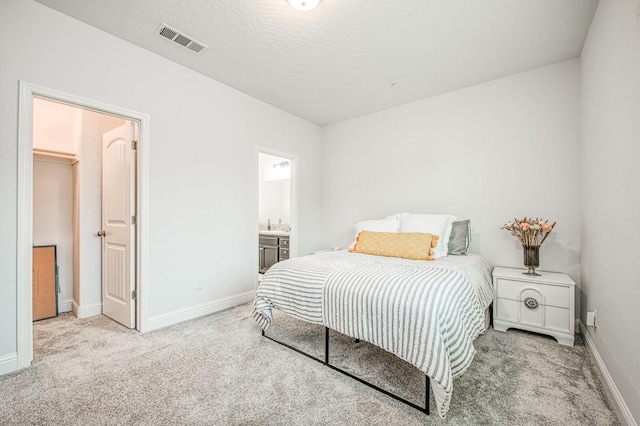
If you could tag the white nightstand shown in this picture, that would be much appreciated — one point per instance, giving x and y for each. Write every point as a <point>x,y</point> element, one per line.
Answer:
<point>544,304</point>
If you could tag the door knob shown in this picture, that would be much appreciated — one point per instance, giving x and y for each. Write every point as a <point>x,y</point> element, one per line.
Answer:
<point>101,233</point>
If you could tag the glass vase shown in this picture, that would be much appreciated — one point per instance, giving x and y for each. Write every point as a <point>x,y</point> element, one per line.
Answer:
<point>531,259</point>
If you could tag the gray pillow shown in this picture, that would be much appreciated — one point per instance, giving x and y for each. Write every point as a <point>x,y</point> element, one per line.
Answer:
<point>460,236</point>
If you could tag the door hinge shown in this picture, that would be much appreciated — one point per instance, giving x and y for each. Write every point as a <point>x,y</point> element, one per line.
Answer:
<point>133,220</point>
<point>134,145</point>
<point>133,295</point>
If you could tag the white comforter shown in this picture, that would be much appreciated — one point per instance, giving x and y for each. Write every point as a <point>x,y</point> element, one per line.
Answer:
<point>425,312</point>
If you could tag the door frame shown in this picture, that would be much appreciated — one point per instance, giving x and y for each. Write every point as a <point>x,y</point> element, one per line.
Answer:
<point>24,255</point>
<point>293,182</point>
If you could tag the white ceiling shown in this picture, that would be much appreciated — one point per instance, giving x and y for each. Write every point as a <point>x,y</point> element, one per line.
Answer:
<point>339,60</point>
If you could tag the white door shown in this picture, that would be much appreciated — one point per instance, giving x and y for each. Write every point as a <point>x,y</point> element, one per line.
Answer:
<point>118,224</point>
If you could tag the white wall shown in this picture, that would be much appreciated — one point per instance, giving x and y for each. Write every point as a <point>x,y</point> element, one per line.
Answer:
<point>274,190</point>
<point>56,127</point>
<point>488,153</point>
<point>202,220</point>
<point>53,218</point>
<point>274,201</point>
<point>610,192</point>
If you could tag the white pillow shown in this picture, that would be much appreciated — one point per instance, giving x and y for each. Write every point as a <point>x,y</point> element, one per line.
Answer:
<point>376,225</point>
<point>438,224</point>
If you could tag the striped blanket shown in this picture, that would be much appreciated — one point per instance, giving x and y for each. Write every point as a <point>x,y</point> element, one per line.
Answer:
<point>426,313</point>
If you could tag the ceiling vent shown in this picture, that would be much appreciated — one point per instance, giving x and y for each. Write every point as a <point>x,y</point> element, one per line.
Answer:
<point>177,37</point>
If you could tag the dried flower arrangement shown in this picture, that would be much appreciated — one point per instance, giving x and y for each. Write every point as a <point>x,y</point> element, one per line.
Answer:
<point>531,231</point>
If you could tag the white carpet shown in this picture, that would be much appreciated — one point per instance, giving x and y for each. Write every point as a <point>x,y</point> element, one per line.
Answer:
<point>220,370</point>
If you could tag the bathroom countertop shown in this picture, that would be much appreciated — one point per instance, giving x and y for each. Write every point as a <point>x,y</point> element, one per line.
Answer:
<point>275,233</point>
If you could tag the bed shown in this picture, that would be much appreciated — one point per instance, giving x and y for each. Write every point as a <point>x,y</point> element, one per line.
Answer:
<point>427,313</point>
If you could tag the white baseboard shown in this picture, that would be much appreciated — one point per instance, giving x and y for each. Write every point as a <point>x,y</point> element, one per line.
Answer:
<point>170,318</point>
<point>86,311</point>
<point>624,408</point>
<point>8,363</point>
<point>65,305</point>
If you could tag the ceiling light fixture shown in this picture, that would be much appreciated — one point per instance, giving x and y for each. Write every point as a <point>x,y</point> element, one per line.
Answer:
<point>304,5</point>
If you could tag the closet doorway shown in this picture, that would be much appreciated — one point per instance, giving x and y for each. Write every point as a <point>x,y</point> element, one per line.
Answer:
<point>83,183</point>
<point>82,180</point>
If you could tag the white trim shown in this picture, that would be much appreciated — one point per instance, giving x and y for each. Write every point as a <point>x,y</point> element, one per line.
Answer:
<point>74,308</point>
<point>8,363</point>
<point>293,240</point>
<point>65,305</point>
<point>91,310</point>
<point>46,157</point>
<point>142,224</point>
<point>174,317</point>
<point>624,408</point>
<point>24,326</point>
<point>62,157</point>
<point>24,255</point>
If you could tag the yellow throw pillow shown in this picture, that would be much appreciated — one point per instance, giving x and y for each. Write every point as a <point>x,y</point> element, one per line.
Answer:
<point>408,245</point>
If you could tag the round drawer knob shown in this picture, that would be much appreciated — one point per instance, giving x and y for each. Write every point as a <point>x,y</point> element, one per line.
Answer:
<point>530,303</point>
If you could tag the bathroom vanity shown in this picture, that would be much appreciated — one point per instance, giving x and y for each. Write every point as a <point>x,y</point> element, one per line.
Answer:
<point>273,247</point>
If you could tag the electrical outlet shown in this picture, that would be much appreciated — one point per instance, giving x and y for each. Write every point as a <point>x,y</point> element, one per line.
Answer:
<point>591,319</point>
<point>199,284</point>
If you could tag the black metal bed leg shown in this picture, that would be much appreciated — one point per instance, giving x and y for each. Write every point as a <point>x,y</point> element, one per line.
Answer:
<point>326,346</point>
<point>426,394</point>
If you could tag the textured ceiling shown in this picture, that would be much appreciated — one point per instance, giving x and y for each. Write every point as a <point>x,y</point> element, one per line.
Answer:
<point>339,60</point>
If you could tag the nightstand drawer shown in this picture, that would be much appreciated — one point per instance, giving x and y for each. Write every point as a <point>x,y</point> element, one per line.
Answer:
<point>553,295</point>
<point>549,317</point>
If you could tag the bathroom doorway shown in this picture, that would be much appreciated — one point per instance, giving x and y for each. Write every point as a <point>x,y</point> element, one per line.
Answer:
<point>276,208</point>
